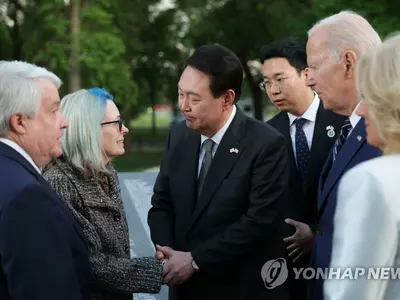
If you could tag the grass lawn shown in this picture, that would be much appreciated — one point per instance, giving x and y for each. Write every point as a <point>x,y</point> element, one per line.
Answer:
<point>138,161</point>
<point>142,131</point>
<point>144,121</point>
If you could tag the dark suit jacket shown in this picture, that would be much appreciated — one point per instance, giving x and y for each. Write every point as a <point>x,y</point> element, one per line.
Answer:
<point>232,229</point>
<point>42,252</point>
<point>354,151</point>
<point>301,201</point>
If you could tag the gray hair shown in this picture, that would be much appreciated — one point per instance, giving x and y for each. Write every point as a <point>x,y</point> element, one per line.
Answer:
<point>347,30</point>
<point>18,92</point>
<point>17,96</point>
<point>27,70</point>
<point>81,141</point>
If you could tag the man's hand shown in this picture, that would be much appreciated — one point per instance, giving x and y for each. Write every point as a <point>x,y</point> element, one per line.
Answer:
<point>160,255</point>
<point>178,267</point>
<point>301,242</point>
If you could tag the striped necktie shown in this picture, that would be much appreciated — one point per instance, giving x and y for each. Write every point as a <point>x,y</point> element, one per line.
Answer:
<point>344,132</point>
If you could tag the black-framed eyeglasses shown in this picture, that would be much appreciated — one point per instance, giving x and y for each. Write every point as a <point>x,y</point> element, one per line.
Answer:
<point>120,123</point>
<point>280,83</point>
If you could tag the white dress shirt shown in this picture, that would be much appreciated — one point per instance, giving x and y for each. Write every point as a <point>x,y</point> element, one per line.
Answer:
<point>21,151</point>
<point>216,138</point>
<point>367,231</point>
<point>354,118</point>
<point>310,114</point>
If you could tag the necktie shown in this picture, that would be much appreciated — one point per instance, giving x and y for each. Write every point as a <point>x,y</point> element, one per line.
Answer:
<point>302,150</point>
<point>205,165</point>
<point>344,132</point>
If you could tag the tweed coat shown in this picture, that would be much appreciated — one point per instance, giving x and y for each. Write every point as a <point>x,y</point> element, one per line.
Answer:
<point>96,203</point>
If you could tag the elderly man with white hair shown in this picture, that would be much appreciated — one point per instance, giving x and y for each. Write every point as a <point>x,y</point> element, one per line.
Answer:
<point>42,251</point>
<point>333,48</point>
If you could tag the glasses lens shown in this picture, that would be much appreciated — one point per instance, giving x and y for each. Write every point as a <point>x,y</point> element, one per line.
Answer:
<point>120,122</point>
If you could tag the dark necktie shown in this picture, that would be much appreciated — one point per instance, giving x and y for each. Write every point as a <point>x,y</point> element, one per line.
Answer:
<point>205,165</point>
<point>344,132</point>
<point>302,150</point>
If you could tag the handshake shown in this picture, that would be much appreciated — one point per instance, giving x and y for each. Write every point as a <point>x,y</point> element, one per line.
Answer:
<point>177,265</point>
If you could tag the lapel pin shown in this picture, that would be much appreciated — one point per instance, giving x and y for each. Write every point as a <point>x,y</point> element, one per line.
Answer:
<point>234,150</point>
<point>330,131</point>
<point>359,137</point>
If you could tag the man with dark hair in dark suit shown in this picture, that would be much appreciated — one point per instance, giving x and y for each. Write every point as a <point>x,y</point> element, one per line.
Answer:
<point>215,210</point>
<point>310,131</point>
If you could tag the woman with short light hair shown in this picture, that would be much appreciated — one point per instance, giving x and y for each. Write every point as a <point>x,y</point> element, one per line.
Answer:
<point>85,179</point>
<point>367,231</point>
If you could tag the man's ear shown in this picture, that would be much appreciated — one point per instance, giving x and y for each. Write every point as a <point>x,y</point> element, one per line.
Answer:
<point>18,123</point>
<point>229,99</point>
<point>349,60</point>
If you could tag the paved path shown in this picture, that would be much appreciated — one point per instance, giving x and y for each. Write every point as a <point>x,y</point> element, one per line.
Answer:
<point>154,169</point>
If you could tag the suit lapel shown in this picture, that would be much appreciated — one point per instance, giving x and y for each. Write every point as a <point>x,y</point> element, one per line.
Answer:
<point>319,142</point>
<point>222,162</point>
<point>13,154</point>
<point>283,126</point>
<point>349,150</point>
<point>186,171</point>
<point>323,176</point>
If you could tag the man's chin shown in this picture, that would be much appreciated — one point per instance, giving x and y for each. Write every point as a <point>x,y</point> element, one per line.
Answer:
<point>55,153</point>
<point>190,124</point>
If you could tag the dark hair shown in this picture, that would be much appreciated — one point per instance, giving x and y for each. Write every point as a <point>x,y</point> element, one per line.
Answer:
<point>221,65</point>
<point>291,49</point>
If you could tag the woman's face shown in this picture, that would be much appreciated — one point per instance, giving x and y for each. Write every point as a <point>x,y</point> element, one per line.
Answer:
<point>113,132</point>
<point>373,137</point>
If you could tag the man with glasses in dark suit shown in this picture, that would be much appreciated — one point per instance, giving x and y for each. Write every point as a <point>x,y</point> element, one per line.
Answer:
<point>310,132</point>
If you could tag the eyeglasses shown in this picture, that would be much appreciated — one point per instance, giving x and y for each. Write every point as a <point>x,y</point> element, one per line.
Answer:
<point>280,83</point>
<point>120,123</point>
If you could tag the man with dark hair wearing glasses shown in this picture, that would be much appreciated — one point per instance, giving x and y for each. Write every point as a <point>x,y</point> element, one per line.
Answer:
<point>310,132</point>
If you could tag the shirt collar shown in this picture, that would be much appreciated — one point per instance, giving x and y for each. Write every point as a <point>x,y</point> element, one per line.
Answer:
<point>220,134</point>
<point>354,118</point>
<point>310,114</point>
<point>21,151</point>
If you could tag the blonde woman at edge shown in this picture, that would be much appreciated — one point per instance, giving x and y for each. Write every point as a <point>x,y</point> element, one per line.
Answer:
<point>84,178</point>
<point>368,208</point>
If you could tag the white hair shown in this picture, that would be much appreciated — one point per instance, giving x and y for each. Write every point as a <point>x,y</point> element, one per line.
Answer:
<point>347,30</point>
<point>19,94</point>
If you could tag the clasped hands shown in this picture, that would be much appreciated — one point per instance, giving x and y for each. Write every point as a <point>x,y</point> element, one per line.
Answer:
<point>177,266</point>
